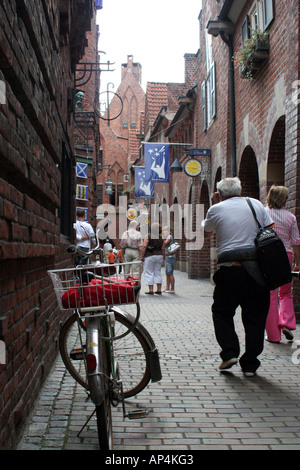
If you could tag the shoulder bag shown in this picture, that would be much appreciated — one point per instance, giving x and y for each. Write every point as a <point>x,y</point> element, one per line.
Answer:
<point>271,255</point>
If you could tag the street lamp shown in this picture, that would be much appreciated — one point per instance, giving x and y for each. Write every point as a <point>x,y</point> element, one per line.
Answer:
<point>109,187</point>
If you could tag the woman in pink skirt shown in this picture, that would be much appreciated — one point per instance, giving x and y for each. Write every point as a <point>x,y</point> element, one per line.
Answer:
<point>281,316</point>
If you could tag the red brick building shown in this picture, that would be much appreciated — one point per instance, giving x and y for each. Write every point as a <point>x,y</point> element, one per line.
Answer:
<point>40,45</point>
<point>249,126</point>
<point>120,134</point>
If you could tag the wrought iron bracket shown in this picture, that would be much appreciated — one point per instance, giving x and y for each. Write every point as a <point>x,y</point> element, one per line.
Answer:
<point>87,68</point>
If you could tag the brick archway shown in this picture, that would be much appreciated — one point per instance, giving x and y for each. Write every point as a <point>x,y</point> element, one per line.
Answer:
<point>276,156</point>
<point>248,173</point>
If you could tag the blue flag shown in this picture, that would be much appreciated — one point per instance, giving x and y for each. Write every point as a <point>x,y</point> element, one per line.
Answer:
<point>143,188</point>
<point>81,170</point>
<point>157,162</point>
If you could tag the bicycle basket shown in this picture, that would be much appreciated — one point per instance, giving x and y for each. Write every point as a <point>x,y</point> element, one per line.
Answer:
<point>99,285</point>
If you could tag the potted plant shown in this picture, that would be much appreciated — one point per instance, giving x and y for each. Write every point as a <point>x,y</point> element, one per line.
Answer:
<point>252,53</point>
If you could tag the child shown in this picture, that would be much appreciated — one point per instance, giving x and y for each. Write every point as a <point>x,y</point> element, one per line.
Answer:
<point>111,256</point>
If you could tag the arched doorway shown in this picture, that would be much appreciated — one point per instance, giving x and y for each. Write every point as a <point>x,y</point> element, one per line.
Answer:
<point>276,157</point>
<point>248,173</point>
<point>217,178</point>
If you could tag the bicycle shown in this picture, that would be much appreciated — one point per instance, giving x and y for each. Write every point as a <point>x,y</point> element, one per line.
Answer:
<point>105,349</point>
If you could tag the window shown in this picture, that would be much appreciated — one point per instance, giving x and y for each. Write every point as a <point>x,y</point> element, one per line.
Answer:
<point>269,12</point>
<point>133,125</point>
<point>209,102</point>
<point>99,194</point>
<point>120,188</point>
<point>246,29</point>
<point>66,170</point>
<point>212,89</point>
<point>260,16</point>
<point>256,16</point>
<point>208,87</point>
<point>125,125</point>
<point>204,117</point>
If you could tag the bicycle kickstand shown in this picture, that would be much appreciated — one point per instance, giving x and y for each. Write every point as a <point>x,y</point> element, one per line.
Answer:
<point>86,423</point>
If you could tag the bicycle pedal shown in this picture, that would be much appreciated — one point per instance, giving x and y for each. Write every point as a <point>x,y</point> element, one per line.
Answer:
<point>137,414</point>
<point>77,354</point>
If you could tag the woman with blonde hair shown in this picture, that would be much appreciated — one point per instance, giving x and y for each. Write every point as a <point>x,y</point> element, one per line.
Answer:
<point>281,316</point>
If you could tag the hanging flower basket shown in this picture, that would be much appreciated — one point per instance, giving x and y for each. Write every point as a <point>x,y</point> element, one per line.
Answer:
<point>252,54</point>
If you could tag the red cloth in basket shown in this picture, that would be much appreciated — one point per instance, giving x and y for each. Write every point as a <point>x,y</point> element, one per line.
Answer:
<point>90,295</point>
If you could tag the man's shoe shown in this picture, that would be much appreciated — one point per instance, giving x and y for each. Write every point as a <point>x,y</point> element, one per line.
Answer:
<point>289,336</point>
<point>228,364</point>
<point>249,374</point>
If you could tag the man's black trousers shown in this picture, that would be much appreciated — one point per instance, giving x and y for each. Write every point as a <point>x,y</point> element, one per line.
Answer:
<point>234,287</point>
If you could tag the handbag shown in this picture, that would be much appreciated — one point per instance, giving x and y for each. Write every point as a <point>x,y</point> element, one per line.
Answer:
<point>173,247</point>
<point>271,256</point>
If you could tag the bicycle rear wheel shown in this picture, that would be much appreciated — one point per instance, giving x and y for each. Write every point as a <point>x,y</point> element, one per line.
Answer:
<point>131,353</point>
<point>100,385</point>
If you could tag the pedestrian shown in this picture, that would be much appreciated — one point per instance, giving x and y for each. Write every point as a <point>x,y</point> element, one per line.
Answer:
<point>169,262</point>
<point>106,249</point>
<point>84,234</point>
<point>152,252</point>
<point>231,219</point>
<point>120,259</point>
<point>111,257</point>
<point>131,242</point>
<point>281,317</point>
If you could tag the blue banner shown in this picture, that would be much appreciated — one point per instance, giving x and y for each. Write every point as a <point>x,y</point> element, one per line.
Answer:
<point>82,192</point>
<point>81,170</point>
<point>157,162</point>
<point>142,187</point>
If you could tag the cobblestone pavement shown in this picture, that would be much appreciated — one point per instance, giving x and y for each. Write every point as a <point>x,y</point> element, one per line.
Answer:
<point>194,406</point>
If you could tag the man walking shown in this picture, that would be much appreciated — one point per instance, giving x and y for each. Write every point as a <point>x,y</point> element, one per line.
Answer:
<point>235,284</point>
<point>131,242</point>
<point>84,234</point>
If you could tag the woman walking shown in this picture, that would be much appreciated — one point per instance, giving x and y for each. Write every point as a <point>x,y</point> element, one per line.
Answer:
<point>169,262</point>
<point>281,316</point>
<point>152,252</point>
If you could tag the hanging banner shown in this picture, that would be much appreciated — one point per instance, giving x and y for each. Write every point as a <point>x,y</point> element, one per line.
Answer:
<point>81,192</point>
<point>81,170</point>
<point>157,162</point>
<point>143,188</point>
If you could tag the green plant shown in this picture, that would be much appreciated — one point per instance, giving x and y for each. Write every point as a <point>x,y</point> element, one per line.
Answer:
<point>128,190</point>
<point>245,57</point>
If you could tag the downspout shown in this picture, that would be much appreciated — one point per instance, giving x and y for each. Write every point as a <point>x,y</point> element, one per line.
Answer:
<point>228,40</point>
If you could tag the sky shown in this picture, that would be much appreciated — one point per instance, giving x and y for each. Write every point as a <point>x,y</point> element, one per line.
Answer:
<point>162,32</point>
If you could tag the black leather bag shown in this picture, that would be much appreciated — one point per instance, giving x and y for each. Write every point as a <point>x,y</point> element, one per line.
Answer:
<point>271,256</point>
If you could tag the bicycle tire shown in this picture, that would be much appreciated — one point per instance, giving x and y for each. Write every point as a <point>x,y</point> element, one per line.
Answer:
<point>103,410</point>
<point>104,427</point>
<point>131,353</point>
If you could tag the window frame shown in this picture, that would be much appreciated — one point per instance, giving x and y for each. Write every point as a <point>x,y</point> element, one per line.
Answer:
<point>268,9</point>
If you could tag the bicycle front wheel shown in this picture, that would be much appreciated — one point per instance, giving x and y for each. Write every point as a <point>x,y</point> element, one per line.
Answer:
<point>131,353</point>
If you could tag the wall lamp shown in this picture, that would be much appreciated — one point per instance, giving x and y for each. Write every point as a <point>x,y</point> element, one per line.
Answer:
<point>176,165</point>
<point>109,183</point>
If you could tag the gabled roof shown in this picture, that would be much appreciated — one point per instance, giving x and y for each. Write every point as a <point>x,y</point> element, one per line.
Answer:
<point>156,97</point>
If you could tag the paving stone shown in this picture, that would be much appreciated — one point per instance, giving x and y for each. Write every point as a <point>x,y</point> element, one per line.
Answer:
<point>194,407</point>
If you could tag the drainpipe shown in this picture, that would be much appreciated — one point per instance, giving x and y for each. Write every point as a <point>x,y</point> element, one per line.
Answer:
<point>228,40</point>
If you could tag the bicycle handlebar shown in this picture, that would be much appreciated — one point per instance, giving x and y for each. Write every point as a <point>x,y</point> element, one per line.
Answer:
<point>94,251</point>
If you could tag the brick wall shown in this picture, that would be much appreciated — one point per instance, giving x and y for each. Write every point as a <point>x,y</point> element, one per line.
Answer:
<point>38,53</point>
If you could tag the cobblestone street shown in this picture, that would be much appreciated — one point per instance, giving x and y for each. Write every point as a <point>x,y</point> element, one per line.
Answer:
<point>194,406</point>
